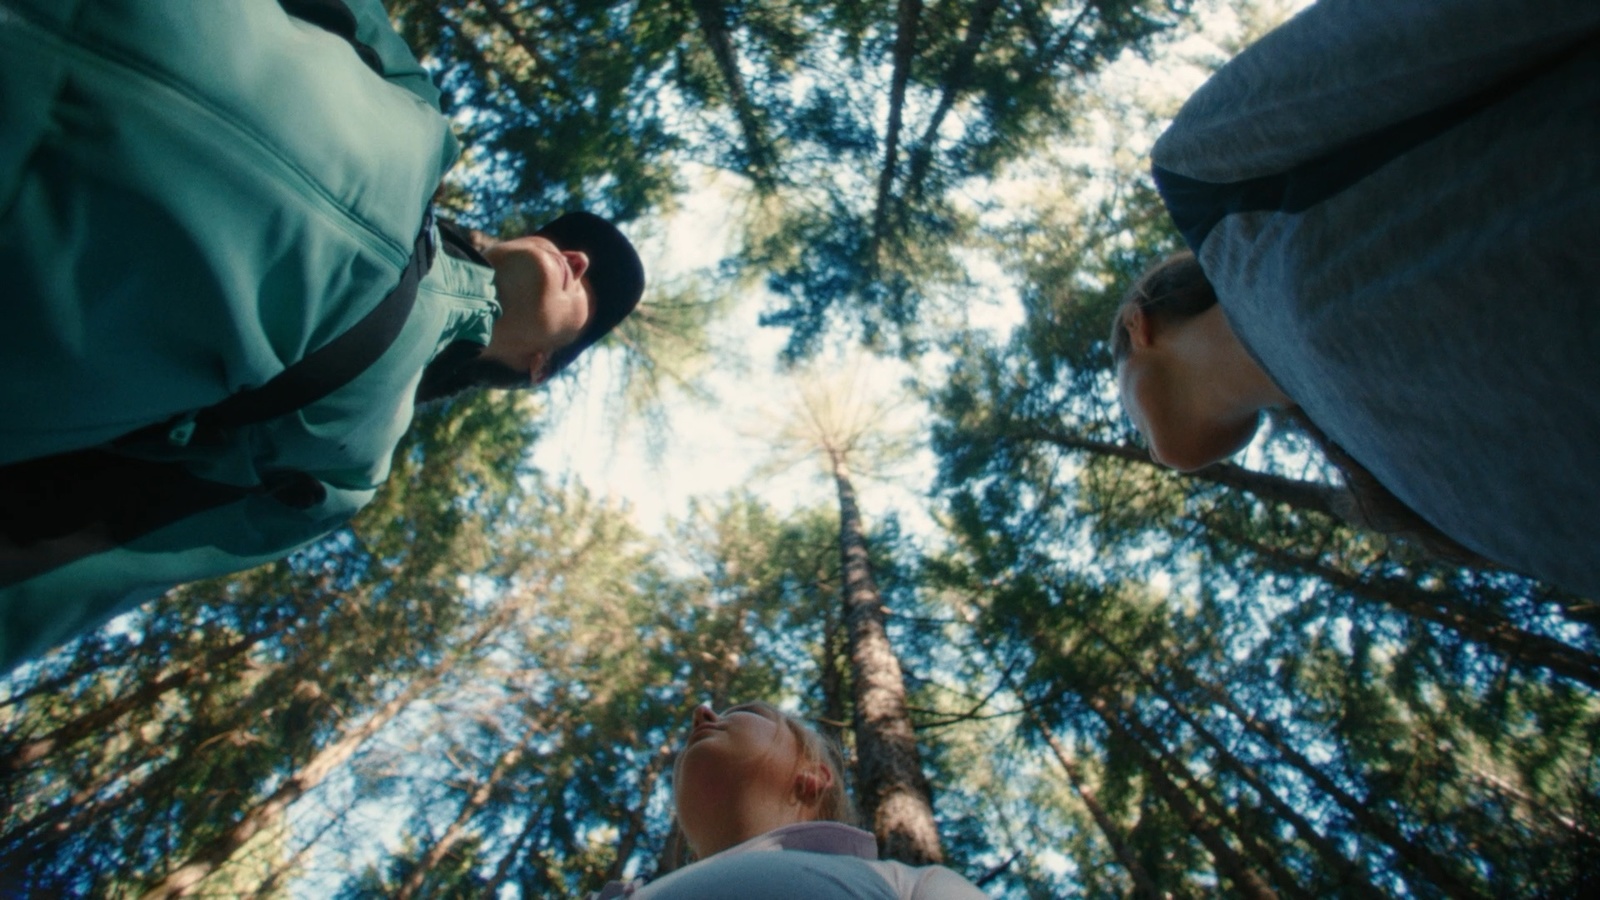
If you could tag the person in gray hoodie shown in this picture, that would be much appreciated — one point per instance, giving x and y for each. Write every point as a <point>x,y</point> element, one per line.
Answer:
<point>1389,208</point>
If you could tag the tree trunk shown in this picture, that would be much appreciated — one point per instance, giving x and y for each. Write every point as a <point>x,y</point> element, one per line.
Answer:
<point>1144,886</point>
<point>1228,860</point>
<point>206,859</point>
<point>452,835</point>
<point>907,17</point>
<point>1306,495</point>
<point>712,15</point>
<point>1419,858</point>
<point>1475,625</point>
<point>832,682</point>
<point>894,793</point>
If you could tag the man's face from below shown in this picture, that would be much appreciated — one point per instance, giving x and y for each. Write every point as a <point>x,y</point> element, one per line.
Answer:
<point>546,301</point>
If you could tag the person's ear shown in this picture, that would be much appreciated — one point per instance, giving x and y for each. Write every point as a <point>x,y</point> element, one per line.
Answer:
<point>1141,328</point>
<point>538,364</point>
<point>811,782</point>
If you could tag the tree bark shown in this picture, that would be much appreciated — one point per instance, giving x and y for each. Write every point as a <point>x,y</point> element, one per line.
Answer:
<point>894,793</point>
<point>832,679</point>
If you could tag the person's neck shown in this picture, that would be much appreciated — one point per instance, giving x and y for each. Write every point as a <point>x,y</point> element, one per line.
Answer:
<point>740,825</point>
<point>1235,387</point>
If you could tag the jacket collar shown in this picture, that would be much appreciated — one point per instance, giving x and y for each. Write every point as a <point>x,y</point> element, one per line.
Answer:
<point>832,838</point>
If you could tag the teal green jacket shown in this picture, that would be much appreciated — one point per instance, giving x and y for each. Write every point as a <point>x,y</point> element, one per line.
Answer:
<point>193,196</point>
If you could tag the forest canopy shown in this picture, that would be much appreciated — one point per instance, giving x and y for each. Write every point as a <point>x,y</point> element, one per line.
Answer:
<point>1094,677</point>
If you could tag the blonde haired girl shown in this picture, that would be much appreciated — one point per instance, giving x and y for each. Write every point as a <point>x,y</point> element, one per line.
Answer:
<point>760,797</point>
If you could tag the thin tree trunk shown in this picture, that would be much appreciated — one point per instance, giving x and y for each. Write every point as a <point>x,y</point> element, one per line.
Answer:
<point>519,36</point>
<point>1534,811</point>
<point>1350,875</point>
<point>894,793</point>
<point>1434,606</point>
<point>1419,858</point>
<point>207,858</point>
<point>1228,860</point>
<point>1144,886</point>
<point>955,81</point>
<point>288,866</point>
<point>674,851</point>
<point>79,668</point>
<point>103,717</point>
<point>27,839</point>
<point>502,870</point>
<point>1307,495</point>
<point>453,834</point>
<point>907,17</point>
<point>1215,811</point>
<point>712,16</point>
<point>635,823</point>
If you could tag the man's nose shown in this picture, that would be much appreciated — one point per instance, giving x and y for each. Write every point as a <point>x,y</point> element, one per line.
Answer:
<point>703,714</point>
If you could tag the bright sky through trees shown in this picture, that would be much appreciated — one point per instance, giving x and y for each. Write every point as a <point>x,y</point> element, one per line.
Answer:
<point>711,446</point>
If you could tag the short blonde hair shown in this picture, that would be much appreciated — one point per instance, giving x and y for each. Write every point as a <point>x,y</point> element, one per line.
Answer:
<point>834,804</point>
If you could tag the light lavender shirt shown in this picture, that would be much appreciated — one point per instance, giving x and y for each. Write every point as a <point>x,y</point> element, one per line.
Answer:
<point>818,861</point>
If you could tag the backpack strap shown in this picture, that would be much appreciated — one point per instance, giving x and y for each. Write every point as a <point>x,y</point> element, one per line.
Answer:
<point>316,375</point>
<point>57,509</point>
<point>336,363</point>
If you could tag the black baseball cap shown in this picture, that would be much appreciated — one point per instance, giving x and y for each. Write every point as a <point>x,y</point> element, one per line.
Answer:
<point>615,275</point>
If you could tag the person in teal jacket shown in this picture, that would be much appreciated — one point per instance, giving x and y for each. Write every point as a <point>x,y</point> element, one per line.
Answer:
<point>194,197</point>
